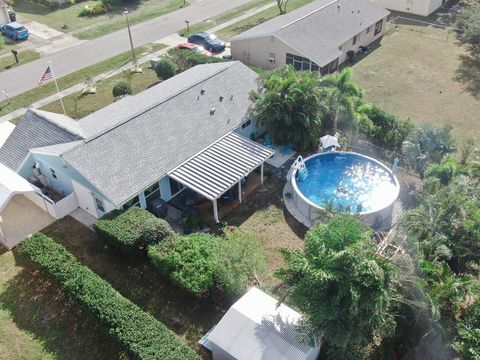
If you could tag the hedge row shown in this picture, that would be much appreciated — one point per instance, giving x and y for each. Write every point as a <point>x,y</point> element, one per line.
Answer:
<point>133,230</point>
<point>136,331</point>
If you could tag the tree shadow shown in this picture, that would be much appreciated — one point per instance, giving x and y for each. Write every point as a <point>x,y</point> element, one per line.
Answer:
<point>39,308</point>
<point>468,74</point>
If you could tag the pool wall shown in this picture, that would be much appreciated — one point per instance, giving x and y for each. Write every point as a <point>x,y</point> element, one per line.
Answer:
<point>311,211</point>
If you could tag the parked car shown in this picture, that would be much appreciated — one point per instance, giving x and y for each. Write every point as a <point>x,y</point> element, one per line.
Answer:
<point>199,49</point>
<point>15,31</point>
<point>208,41</point>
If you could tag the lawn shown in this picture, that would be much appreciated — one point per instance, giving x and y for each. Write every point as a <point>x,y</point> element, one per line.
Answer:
<point>138,281</point>
<point>29,97</point>
<point>112,21</point>
<point>413,75</point>
<point>24,56</point>
<point>254,20</point>
<point>78,105</point>
<point>38,322</point>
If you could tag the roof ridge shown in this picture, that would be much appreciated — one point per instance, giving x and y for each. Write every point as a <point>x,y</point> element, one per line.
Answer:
<point>307,15</point>
<point>40,113</point>
<point>163,100</point>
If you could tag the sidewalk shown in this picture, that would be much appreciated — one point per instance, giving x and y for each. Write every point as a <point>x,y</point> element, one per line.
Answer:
<point>170,40</point>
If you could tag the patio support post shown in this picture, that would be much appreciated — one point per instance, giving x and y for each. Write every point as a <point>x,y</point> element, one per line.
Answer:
<point>240,191</point>
<point>215,210</point>
<point>261,173</point>
<point>143,201</point>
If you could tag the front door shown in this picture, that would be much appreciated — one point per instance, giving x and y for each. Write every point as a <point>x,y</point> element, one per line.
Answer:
<point>86,199</point>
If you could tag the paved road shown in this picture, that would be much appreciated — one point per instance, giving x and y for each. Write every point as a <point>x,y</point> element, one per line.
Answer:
<point>25,77</point>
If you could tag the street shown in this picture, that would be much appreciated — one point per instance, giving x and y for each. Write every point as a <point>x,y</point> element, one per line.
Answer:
<point>25,77</point>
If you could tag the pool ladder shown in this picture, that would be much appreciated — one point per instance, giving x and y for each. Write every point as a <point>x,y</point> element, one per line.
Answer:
<point>299,165</point>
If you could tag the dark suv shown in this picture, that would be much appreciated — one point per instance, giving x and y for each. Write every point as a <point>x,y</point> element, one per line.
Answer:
<point>208,41</point>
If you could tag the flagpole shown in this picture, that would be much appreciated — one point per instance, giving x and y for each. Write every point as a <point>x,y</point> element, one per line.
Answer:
<point>58,90</point>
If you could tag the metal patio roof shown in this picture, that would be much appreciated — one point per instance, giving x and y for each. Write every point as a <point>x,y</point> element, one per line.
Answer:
<point>220,166</point>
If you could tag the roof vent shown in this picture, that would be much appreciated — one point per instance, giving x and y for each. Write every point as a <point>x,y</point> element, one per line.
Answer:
<point>339,7</point>
<point>202,91</point>
<point>231,97</point>
<point>220,98</point>
<point>212,111</point>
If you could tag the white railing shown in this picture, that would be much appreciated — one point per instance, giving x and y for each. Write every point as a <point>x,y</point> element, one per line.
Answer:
<point>58,209</point>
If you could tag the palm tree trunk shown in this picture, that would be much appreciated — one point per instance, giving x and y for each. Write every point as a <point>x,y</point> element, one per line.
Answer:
<point>335,123</point>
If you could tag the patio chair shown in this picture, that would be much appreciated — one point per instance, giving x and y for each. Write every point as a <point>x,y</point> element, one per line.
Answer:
<point>268,142</point>
<point>286,149</point>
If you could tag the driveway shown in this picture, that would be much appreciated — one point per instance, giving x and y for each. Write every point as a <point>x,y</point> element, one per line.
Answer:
<point>25,77</point>
<point>19,219</point>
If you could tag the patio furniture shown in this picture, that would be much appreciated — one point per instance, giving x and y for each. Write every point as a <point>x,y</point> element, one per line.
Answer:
<point>268,142</point>
<point>286,149</point>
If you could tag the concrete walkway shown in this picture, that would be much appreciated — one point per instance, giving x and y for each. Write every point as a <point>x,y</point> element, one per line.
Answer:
<point>170,40</point>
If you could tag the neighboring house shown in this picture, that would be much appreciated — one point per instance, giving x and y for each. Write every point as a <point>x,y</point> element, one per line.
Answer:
<point>315,37</point>
<point>4,17</point>
<point>417,7</point>
<point>256,327</point>
<point>191,130</point>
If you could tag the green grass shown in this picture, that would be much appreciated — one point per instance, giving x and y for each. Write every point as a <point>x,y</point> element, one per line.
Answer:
<point>29,97</point>
<point>25,56</point>
<point>57,18</point>
<point>412,74</point>
<point>142,14</point>
<point>38,322</point>
<point>78,105</point>
<point>220,19</point>
<point>257,19</point>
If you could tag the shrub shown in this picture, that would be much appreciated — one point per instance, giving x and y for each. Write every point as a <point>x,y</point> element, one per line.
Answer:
<point>165,69</point>
<point>388,131</point>
<point>134,330</point>
<point>122,88</point>
<point>186,59</point>
<point>207,265</point>
<point>131,231</point>
<point>468,339</point>
<point>93,9</point>
<point>2,42</point>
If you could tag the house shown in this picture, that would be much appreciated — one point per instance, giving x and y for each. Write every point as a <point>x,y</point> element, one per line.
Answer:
<point>257,328</point>
<point>4,16</point>
<point>316,37</point>
<point>417,7</point>
<point>189,131</point>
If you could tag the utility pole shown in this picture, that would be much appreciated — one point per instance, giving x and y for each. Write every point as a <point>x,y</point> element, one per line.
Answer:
<point>135,67</point>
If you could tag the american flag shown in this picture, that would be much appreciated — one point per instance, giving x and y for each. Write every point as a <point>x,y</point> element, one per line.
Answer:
<point>45,77</point>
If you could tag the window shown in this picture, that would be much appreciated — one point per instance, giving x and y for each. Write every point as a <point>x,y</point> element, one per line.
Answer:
<point>247,124</point>
<point>175,187</point>
<point>378,27</point>
<point>99,204</point>
<point>300,63</point>
<point>54,175</point>
<point>369,29</point>
<point>355,39</point>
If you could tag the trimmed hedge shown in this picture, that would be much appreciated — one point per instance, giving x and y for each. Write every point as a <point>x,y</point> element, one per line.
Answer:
<point>136,331</point>
<point>131,231</point>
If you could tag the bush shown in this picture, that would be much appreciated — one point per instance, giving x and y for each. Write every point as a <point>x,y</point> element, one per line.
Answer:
<point>206,265</point>
<point>134,330</point>
<point>165,69</point>
<point>93,9</point>
<point>468,339</point>
<point>388,131</point>
<point>122,88</point>
<point>2,42</point>
<point>186,59</point>
<point>131,231</point>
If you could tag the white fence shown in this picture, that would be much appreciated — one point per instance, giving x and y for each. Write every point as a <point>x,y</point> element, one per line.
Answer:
<point>58,209</point>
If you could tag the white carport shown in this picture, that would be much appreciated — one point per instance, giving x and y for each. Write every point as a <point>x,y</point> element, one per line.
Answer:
<point>19,217</point>
<point>220,166</point>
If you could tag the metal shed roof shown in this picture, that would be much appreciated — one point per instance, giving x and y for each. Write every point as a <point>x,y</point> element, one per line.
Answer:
<point>217,168</point>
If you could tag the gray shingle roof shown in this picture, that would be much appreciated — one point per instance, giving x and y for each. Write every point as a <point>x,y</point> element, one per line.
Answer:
<point>37,129</point>
<point>317,30</point>
<point>137,140</point>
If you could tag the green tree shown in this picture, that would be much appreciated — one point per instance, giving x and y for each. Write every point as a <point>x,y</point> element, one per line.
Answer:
<point>122,88</point>
<point>428,145</point>
<point>340,99</point>
<point>342,285</point>
<point>165,69</point>
<point>287,106</point>
<point>469,22</point>
<point>467,342</point>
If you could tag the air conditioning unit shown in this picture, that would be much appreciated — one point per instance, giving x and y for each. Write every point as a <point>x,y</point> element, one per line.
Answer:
<point>271,60</point>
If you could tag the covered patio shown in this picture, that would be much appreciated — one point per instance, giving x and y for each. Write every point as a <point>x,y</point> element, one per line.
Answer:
<point>222,165</point>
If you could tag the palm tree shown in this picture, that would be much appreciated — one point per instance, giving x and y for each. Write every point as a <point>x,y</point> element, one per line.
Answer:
<point>340,97</point>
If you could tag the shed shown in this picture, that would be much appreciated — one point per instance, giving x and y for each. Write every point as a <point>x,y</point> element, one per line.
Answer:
<point>256,327</point>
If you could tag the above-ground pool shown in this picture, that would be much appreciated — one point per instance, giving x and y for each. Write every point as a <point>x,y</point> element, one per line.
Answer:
<point>345,182</point>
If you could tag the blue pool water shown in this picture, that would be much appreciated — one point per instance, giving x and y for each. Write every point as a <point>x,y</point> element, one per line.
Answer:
<point>348,182</point>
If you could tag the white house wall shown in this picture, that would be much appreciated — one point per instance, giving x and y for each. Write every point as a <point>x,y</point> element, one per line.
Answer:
<point>86,201</point>
<point>418,7</point>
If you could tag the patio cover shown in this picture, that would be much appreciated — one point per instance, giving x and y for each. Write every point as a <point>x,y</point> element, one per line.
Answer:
<point>220,166</point>
<point>12,184</point>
